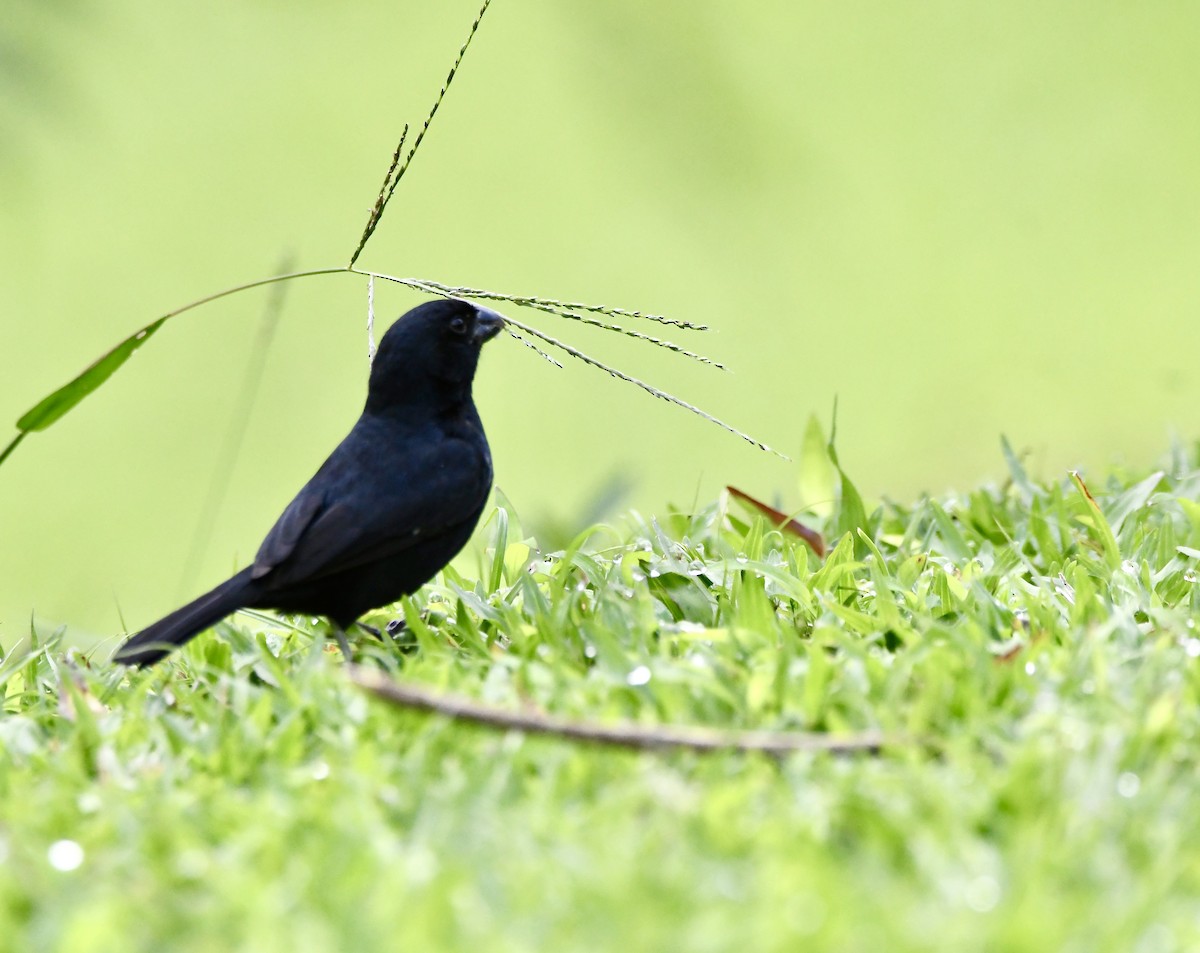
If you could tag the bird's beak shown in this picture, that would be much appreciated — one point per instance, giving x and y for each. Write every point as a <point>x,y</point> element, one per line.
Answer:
<point>487,324</point>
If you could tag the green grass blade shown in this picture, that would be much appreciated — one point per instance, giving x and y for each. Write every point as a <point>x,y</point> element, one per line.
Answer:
<point>1098,522</point>
<point>50,408</point>
<point>55,405</point>
<point>12,445</point>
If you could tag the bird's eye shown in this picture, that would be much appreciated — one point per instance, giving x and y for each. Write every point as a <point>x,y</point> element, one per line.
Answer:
<point>458,325</point>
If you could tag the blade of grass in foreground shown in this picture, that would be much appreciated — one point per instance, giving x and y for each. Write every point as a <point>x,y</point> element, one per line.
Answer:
<point>55,405</point>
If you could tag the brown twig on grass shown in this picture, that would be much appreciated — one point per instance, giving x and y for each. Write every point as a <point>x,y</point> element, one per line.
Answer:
<point>636,737</point>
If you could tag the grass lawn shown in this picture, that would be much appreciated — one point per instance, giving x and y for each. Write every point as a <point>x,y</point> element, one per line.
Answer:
<point>1029,651</point>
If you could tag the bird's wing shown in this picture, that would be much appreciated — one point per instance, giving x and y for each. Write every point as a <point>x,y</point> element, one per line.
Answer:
<point>332,526</point>
<point>285,534</point>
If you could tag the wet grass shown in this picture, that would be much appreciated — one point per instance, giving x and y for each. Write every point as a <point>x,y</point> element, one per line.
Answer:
<point>1029,648</point>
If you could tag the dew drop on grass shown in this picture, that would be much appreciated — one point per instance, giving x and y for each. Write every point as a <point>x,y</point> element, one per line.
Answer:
<point>982,894</point>
<point>742,558</point>
<point>1128,784</point>
<point>639,676</point>
<point>589,651</point>
<point>65,855</point>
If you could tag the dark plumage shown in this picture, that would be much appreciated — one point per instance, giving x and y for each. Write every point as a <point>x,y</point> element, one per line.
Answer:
<point>394,503</point>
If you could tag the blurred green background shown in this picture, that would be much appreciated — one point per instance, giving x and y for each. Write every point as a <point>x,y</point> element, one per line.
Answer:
<point>960,219</point>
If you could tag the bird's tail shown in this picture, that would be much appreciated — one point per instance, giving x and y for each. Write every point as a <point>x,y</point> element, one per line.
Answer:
<point>172,631</point>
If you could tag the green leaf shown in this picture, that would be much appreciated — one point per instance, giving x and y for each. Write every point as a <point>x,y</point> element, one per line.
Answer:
<point>852,514</point>
<point>1132,500</point>
<point>1019,477</point>
<point>954,544</point>
<point>499,548</point>
<point>13,444</point>
<point>1096,520</point>
<point>54,406</point>
<point>818,478</point>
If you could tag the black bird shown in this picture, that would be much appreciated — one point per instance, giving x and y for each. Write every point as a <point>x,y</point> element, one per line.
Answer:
<point>394,503</point>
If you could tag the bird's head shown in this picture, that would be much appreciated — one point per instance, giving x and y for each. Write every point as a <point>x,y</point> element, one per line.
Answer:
<point>431,352</point>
